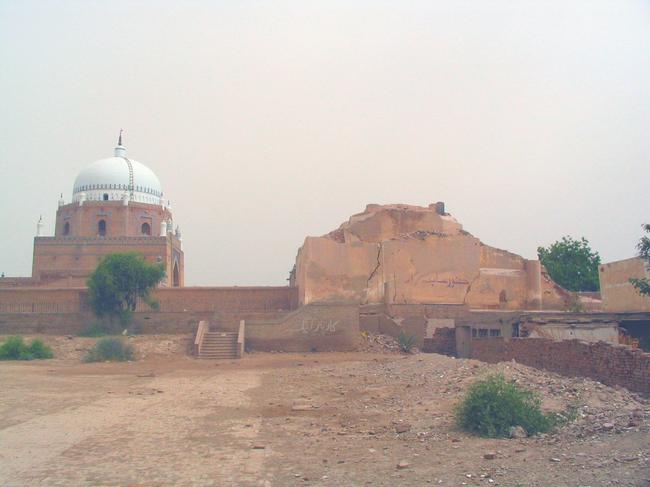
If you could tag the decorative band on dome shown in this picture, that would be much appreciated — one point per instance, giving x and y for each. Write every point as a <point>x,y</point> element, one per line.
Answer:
<point>125,187</point>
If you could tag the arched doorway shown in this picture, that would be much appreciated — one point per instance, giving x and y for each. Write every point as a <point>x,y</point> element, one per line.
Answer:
<point>101,228</point>
<point>145,229</point>
<point>175,276</point>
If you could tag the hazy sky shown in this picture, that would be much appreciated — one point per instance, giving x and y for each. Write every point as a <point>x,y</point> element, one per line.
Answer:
<point>270,121</point>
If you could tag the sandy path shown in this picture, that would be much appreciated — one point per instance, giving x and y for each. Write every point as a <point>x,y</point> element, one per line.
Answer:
<point>157,431</point>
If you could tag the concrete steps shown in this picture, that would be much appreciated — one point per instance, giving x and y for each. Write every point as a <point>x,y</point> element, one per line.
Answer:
<point>218,345</point>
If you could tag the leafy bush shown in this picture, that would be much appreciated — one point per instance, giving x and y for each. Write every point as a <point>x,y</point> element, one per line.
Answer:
<point>493,405</point>
<point>405,342</point>
<point>15,348</point>
<point>110,349</point>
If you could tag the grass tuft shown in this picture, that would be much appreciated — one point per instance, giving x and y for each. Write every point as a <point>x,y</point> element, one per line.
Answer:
<point>405,342</point>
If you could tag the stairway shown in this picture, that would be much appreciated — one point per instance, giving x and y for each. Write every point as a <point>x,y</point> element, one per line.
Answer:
<point>218,345</point>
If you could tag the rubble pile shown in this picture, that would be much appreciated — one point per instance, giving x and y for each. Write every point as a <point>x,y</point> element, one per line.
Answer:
<point>378,343</point>
<point>397,414</point>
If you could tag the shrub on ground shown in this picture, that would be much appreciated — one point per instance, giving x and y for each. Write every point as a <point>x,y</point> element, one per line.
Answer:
<point>493,405</point>
<point>110,349</point>
<point>406,342</point>
<point>15,348</point>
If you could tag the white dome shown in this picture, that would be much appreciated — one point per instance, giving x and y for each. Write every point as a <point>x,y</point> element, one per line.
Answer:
<point>113,177</point>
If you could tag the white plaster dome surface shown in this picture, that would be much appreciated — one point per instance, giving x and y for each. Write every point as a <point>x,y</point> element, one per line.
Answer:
<point>114,177</point>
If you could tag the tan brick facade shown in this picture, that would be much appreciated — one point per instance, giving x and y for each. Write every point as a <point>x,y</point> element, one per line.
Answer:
<point>85,233</point>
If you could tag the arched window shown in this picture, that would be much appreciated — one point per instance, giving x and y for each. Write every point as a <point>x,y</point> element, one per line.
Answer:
<point>146,229</point>
<point>101,228</point>
<point>176,277</point>
<point>66,228</point>
<point>105,196</point>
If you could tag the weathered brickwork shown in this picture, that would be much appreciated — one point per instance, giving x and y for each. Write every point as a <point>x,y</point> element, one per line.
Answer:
<point>177,300</point>
<point>609,364</point>
<point>443,342</point>
<point>310,328</point>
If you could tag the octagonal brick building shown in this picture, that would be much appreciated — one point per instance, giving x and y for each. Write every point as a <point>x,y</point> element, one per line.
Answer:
<point>117,206</point>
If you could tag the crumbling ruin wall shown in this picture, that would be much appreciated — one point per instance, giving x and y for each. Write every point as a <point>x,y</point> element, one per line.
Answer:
<point>610,364</point>
<point>408,254</point>
<point>618,293</point>
<point>443,341</point>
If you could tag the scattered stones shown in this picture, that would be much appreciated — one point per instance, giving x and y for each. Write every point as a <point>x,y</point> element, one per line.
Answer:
<point>303,407</point>
<point>259,446</point>
<point>403,464</point>
<point>555,460</point>
<point>491,455</point>
<point>608,426</point>
<point>402,428</point>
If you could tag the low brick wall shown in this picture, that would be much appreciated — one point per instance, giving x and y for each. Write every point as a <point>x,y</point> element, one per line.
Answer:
<point>610,364</point>
<point>443,342</point>
<point>171,300</point>
<point>313,327</point>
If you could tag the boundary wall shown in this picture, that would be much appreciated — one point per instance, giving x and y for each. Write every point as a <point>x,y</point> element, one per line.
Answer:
<point>185,299</point>
<point>614,365</point>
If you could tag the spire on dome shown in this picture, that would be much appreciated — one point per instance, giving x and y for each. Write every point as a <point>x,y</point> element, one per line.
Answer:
<point>120,150</point>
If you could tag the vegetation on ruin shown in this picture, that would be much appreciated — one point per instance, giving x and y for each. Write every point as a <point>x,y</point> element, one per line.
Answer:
<point>110,349</point>
<point>572,264</point>
<point>15,348</point>
<point>643,284</point>
<point>493,405</point>
<point>118,282</point>
<point>405,342</point>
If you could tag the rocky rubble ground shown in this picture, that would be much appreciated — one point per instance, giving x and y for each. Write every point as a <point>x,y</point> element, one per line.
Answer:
<point>400,410</point>
<point>379,343</point>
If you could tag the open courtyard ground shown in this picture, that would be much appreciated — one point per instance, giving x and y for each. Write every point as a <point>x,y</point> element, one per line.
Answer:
<point>327,419</point>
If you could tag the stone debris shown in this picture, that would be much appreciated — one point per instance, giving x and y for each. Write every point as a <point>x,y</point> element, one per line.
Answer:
<point>379,343</point>
<point>403,464</point>
<point>490,455</point>
<point>402,428</point>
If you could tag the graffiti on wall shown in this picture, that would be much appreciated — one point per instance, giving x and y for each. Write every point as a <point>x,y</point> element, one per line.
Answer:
<point>313,326</point>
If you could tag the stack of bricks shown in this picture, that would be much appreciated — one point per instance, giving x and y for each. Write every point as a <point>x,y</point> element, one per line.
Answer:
<point>610,364</point>
<point>443,342</point>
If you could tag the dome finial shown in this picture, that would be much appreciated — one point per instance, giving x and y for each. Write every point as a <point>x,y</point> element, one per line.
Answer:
<point>120,150</point>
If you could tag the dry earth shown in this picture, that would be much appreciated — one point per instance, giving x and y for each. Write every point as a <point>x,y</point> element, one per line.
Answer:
<point>327,419</point>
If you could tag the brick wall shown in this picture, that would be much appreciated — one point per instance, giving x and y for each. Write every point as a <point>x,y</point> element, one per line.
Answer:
<point>319,327</point>
<point>609,364</point>
<point>443,341</point>
<point>172,300</point>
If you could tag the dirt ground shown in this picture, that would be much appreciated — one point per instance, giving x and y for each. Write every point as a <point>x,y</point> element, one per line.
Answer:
<point>327,419</point>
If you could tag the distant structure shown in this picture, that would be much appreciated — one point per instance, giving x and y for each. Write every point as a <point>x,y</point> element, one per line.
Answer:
<point>117,206</point>
<point>404,254</point>
<point>619,295</point>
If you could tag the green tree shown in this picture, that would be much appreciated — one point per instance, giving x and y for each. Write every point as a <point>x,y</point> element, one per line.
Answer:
<point>643,284</point>
<point>572,264</point>
<point>119,280</point>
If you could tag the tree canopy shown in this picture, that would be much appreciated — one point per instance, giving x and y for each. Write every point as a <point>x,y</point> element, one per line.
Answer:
<point>643,284</point>
<point>572,264</point>
<point>119,280</point>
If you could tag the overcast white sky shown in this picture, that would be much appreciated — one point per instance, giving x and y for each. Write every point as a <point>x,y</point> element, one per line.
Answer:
<point>270,121</point>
